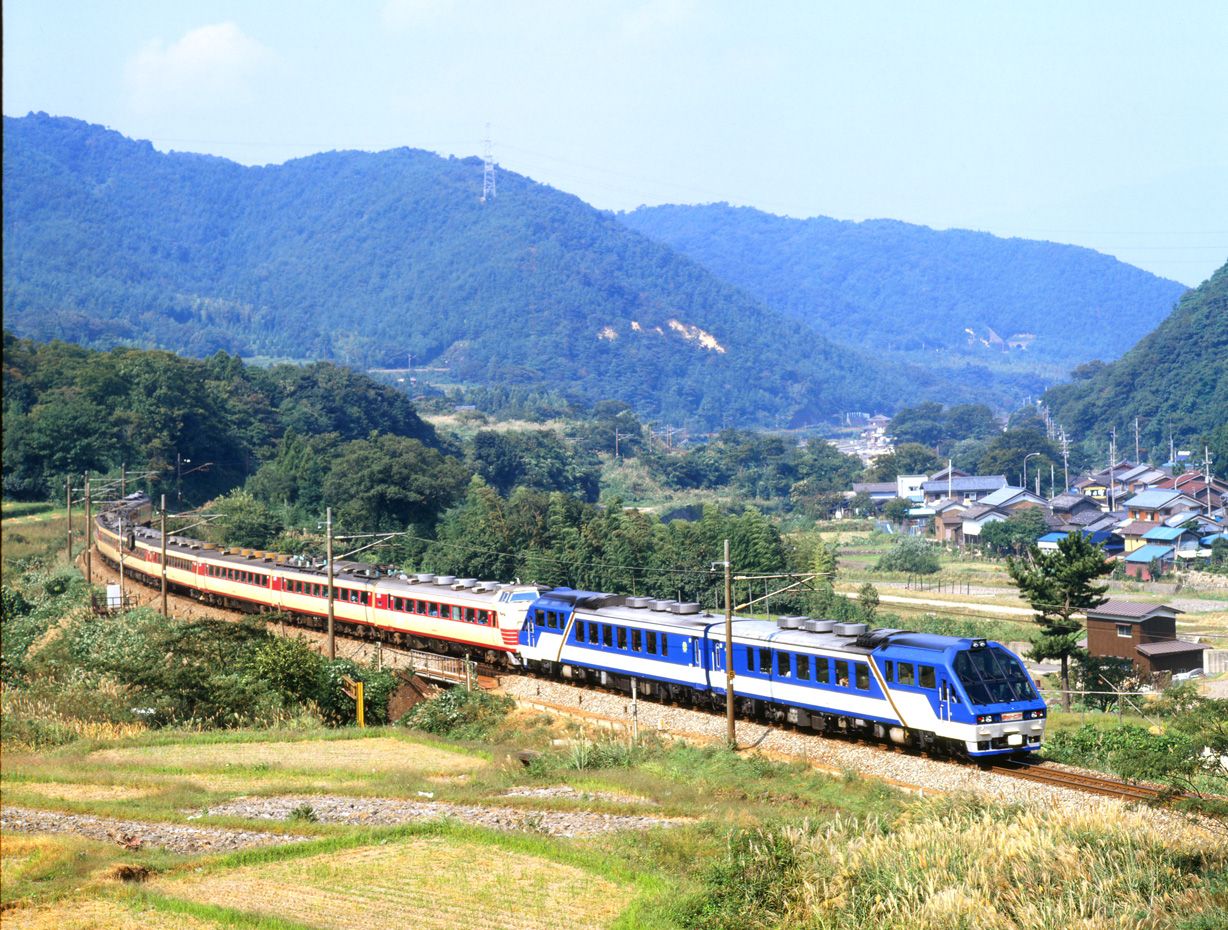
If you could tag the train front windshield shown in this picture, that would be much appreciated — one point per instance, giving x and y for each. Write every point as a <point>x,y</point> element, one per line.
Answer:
<point>993,676</point>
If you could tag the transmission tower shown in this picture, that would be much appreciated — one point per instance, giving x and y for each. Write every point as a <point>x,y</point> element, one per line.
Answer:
<point>488,169</point>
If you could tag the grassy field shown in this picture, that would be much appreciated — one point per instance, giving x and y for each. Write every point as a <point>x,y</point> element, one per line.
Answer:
<point>760,843</point>
<point>35,530</point>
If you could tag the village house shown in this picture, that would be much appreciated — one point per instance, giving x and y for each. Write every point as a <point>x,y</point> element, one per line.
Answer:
<point>967,488</point>
<point>1149,561</point>
<point>1158,506</point>
<point>1144,634</point>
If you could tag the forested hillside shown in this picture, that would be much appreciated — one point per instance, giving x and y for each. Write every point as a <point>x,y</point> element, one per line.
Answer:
<point>1175,381</point>
<point>366,258</point>
<point>910,288</point>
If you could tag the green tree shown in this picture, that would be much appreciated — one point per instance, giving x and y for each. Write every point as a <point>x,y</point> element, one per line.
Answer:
<point>243,521</point>
<point>909,458</point>
<point>867,597</point>
<point>896,509</point>
<point>1013,535</point>
<point>1059,585</point>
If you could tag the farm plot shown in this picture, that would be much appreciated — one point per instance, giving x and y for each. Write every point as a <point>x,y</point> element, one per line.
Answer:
<point>100,913</point>
<point>378,754</point>
<point>430,883</point>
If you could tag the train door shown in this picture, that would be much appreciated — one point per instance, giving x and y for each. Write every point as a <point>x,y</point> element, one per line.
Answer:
<point>716,666</point>
<point>947,697</point>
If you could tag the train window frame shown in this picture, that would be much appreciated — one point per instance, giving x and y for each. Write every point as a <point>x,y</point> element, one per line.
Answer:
<point>432,609</point>
<point>594,634</point>
<point>750,659</point>
<point>861,676</point>
<point>907,678</point>
<point>888,670</point>
<point>620,635</point>
<point>803,668</point>
<point>665,644</point>
<point>765,661</point>
<point>822,670</point>
<point>607,636</point>
<point>924,672</point>
<point>650,642</point>
<point>457,616</point>
<point>842,673</point>
<point>579,635</point>
<point>784,664</point>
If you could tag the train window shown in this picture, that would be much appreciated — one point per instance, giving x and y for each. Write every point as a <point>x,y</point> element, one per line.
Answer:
<point>456,613</point>
<point>594,633</point>
<point>651,636</point>
<point>356,597</point>
<point>396,603</point>
<point>432,609</point>
<point>637,641</point>
<point>621,633</point>
<point>784,667</point>
<point>888,670</point>
<point>750,658</point>
<point>366,598</point>
<point>580,637</point>
<point>861,672</point>
<point>765,661</point>
<point>664,644</point>
<point>469,618</point>
<point>607,634</point>
<point>803,668</point>
<point>905,675</point>
<point>926,677</point>
<point>842,673</point>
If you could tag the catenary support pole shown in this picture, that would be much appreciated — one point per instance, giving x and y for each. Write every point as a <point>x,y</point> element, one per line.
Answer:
<point>68,505</point>
<point>328,555</point>
<point>730,726</point>
<point>89,533</point>
<point>164,610</point>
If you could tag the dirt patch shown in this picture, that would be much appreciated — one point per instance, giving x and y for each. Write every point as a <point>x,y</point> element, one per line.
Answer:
<point>383,811</point>
<point>379,754</point>
<point>415,883</point>
<point>98,914</point>
<point>136,834</point>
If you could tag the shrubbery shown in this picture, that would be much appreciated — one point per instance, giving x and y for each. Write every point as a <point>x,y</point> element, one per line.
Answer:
<point>910,555</point>
<point>460,714</point>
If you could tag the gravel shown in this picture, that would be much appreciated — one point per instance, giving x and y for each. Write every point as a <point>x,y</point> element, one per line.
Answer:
<point>918,773</point>
<point>135,834</point>
<point>384,811</point>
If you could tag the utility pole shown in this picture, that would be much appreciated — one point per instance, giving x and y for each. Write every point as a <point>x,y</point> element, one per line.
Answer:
<point>68,503</point>
<point>89,532</point>
<point>164,611</point>
<point>1112,470</point>
<point>328,554</point>
<point>1137,455</point>
<point>123,479</point>
<point>1052,480</point>
<point>1065,462</point>
<point>730,727</point>
<point>1206,467</point>
<point>121,559</point>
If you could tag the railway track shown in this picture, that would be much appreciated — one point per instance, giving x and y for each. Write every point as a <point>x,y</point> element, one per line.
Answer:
<point>1037,770</point>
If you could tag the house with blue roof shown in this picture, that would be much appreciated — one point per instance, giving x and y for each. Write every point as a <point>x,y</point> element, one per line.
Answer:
<point>1159,505</point>
<point>966,488</point>
<point>1179,537</point>
<point>1110,541</point>
<point>1147,562</point>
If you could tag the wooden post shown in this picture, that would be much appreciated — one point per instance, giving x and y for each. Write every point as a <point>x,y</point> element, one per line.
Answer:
<point>328,554</point>
<point>360,704</point>
<point>164,611</point>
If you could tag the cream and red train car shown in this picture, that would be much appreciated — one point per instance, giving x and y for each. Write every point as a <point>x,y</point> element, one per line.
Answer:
<point>479,619</point>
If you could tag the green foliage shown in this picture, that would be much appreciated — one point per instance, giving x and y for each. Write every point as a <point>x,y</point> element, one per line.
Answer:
<point>1016,533</point>
<point>243,521</point>
<point>460,714</point>
<point>1174,381</point>
<point>867,599</point>
<point>336,709</point>
<point>939,428</point>
<point>67,410</point>
<point>896,509</point>
<point>1126,749</point>
<point>537,459</point>
<point>1005,455</point>
<point>908,458</point>
<point>911,555</point>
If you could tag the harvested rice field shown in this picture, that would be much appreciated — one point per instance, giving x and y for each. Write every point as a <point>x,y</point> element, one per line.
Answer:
<point>101,914</point>
<point>76,791</point>
<point>379,754</point>
<point>431,883</point>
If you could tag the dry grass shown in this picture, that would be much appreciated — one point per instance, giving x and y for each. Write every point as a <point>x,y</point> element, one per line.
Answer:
<point>379,754</point>
<point>78,791</point>
<point>432,883</point>
<point>100,914</point>
<point>50,724</point>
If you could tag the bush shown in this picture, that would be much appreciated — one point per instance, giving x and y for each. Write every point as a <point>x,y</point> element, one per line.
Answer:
<point>910,555</point>
<point>336,709</point>
<point>460,714</point>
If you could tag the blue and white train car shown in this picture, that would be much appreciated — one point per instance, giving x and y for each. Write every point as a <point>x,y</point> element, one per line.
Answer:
<point>927,691</point>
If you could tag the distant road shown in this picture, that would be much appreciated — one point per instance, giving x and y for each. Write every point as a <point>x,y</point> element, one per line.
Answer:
<point>997,610</point>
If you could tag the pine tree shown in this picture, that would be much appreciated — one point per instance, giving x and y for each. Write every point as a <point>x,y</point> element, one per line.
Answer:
<point>1058,585</point>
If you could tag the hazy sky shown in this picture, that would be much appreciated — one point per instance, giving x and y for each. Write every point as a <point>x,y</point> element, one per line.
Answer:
<point>1098,123</point>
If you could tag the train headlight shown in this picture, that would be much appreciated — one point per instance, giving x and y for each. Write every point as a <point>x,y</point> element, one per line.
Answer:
<point>985,718</point>
<point>1037,714</point>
